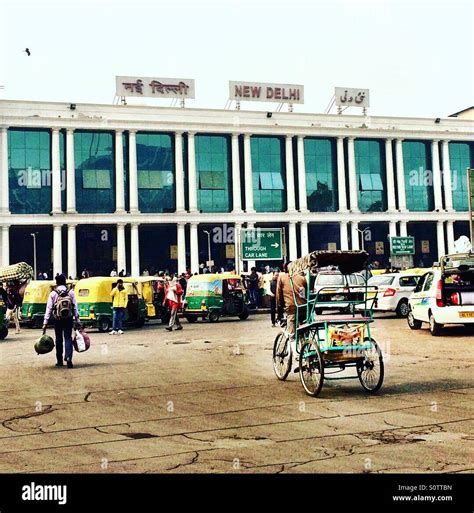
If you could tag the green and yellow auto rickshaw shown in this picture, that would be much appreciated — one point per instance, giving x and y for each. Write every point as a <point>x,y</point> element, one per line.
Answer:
<point>152,289</point>
<point>211,296</point>
<point>95,303</point>
<point>35,301</point>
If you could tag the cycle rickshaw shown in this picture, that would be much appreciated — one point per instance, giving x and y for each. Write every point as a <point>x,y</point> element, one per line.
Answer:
<point>327,345</point>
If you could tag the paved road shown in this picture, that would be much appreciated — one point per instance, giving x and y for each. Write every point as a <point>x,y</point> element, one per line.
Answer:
<point>205,399</point>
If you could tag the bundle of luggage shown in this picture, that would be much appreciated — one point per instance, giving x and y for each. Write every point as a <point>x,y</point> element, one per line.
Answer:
<point>346,335</point>
<point>21,272</point>
<point>347,261</point>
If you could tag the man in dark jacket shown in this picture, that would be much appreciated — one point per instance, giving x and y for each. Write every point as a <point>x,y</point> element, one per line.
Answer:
<point>252,286</point>
<point>274,307</point>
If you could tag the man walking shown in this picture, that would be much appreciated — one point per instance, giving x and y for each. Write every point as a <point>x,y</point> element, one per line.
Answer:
<point>119,304</point>
<point>62,305</point>
<point>173,300</point>
<point>253,280</point>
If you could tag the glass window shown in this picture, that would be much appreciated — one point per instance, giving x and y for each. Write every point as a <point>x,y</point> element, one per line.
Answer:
<point>321,173</point>
<point>381,280</point>
<point>417,165</point>
<point>269,168</point>
<point>461,156</point>
<point>370,168</point>
<point>213,170</point>
<point>408,281</point>
<point>428,282</point>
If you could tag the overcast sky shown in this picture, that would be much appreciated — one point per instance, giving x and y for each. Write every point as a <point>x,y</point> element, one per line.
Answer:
<point>415,56</point>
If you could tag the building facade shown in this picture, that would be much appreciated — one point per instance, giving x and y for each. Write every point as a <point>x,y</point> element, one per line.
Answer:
<point>131,187</point>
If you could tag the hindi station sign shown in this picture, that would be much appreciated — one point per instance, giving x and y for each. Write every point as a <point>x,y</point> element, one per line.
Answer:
<point>262,244</point>
<point>263,92</point>
<point>152,87</point>
<point>350,97</point>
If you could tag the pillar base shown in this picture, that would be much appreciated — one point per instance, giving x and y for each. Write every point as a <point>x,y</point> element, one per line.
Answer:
<point>56,212</point>
<point>250,211</point>
<point>180,211</point>
<point>121,211</point>
<point>343,211</point>
<point>71,211</point>
<point>237,211</point>
<point>291,211</point>
<point>355,211</point>
<point>134,211</point>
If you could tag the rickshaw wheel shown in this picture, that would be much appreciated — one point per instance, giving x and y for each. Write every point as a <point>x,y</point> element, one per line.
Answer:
<point>282,356</point>
<point>104,324</point>
<point>191,318</point>
<point>244,315</point>
<point>311,368</point>
<point>3,332</point>
<point>371,370</point>
<point>213,316</point>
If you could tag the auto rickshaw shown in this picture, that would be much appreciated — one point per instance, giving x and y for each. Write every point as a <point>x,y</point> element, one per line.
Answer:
<point>95,303</point>
<point>152,289</point>
<point>211,296</point>
<point>35,301</point>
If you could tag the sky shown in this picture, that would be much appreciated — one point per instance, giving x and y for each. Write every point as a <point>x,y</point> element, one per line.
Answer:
<point>416,57</point>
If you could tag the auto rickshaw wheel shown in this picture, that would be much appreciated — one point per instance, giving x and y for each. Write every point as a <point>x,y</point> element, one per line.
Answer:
<point>3,332</point>
<point>214,316</point>
<point>311,368</point>
<point>371,369</point>
<point>104,324</point>
<point>244,315</point>
<point>191,318</point>
<point>37,323</point>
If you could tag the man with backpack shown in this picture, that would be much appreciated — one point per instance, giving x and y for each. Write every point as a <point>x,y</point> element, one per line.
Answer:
<point>62,305</point>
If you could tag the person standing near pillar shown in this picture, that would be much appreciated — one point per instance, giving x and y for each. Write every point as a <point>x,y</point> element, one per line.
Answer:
<point>173,295</point>
<point>119,304</point>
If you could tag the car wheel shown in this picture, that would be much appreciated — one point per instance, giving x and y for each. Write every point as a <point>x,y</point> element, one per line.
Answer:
<point>435,328</point>
<point>402,308</point>
<point>413,323</point>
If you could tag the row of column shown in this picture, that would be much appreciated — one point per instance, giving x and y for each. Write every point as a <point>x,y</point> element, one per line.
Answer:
<point>71,264</point>
<point>440,177</point>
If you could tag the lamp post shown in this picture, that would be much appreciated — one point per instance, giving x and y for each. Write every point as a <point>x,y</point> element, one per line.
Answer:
<point>362,233</point>
<point>208,246</point>
<point>34,254</point>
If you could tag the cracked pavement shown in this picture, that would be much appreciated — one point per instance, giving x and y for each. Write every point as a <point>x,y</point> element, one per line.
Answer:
<point>205,399</point>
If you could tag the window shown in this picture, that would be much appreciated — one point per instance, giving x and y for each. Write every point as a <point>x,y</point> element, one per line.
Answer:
<point>153,179</point>
<point>408,281</point>
<point>417,163</point>
<point>268,174</point>
<point>461,156</point>
<point>370,170</point>
<point>380,280</point>
<point>96,179</point>
<point>428,282</point>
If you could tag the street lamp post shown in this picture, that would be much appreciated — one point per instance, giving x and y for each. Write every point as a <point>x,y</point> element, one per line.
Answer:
<point>208,245</point>
<point>34,254</point>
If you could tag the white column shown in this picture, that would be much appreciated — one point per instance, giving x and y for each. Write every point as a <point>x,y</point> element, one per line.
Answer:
<point>134,250</point>
<point>341,175</point>
<point>355,235</point>
<point>392,228</point>
<point>239,264</point>
<point>290,175</point>
<point>55,172</point>
<point>121,254</point>
<point>248,175</point>
<point>440,239</point>
<point>402,201</point>
<point>293,243</point>
<point>119,174</point>
<point>447,178</point>
<point>133,171</point>
<point>304,238</point>
<point>236,190</point>
<point>303,200</point>
<point>450,235</point>
<point>57,250</point>
<point>179,173</point>
<point>343,235</point>
<point>5,233</point>
<point>181,248</point>
<point>403,229</point>
<point>4,188</point>
<point>438,195</point>
<point>71,251</point>
<point>70,174</point>
<point>192,181</point>
<point>194,248</point>
<point>353,188</point>
<point>250,263</point>
<point>391,204</point>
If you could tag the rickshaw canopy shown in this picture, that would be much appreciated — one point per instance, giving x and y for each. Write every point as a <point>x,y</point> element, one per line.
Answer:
<point>348,262</point>
<point>37,291</point>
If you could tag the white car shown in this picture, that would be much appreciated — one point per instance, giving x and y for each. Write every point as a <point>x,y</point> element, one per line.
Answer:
<point>444,295</point>
<point>334,286</point>
<point>393,292</point>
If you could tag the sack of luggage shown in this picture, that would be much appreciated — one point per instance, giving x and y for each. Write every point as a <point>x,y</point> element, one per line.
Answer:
<point>63,308</point>
<point>45,344</point>
<point>81,341</point>
<point>20,271</point>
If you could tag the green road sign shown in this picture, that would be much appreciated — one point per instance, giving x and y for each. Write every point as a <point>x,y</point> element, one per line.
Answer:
<point>402,246</point>
<point>262,244</point>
